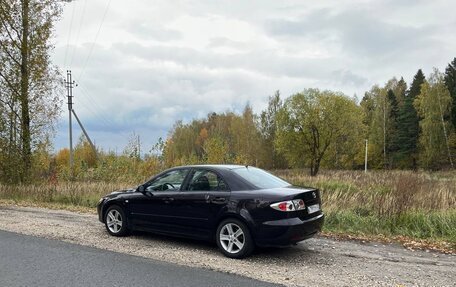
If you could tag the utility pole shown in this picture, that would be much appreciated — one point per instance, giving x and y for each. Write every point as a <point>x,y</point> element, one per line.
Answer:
<point>365,160</point>
<point>69,85</point>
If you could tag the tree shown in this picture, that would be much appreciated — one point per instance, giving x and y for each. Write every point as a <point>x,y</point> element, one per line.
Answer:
<point>382,108</point>
<point>183,143</point>
<point>450,82</point>
<point>400,90</point>
<point>270,158</point>
<point>216,150</point>
<point>408,125</point>
<point>311,122</point>
<point>27,78</point>
<point>434,106</point>
<point>392,143</point>
<point>379,127</point>
<point>246,138</point>
<point>131,150</point>
<point>368,106</point>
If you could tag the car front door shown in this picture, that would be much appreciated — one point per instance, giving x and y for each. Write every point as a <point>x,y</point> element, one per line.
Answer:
<point>153,209</point>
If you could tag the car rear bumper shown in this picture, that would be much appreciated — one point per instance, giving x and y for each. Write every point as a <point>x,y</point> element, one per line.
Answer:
<point>288,231</point>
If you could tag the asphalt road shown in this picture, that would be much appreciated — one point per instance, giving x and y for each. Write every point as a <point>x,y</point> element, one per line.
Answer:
<point>32,261</point>
<point>315,262</point>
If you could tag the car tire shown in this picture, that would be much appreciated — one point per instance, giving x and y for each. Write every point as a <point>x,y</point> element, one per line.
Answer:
<point>234,239</point>
<point>116,221</point>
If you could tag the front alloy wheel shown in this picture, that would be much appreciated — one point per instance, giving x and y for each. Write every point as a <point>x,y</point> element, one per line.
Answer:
<point>115,221</point>
<point>233,239</point>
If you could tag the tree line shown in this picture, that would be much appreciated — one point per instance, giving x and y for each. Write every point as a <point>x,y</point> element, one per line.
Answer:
<point>407,127</point>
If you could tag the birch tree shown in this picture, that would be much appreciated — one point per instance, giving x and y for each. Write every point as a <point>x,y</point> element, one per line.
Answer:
<point>434,106</point>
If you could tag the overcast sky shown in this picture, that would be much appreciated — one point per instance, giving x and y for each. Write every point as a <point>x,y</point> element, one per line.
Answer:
<point>152,63</point>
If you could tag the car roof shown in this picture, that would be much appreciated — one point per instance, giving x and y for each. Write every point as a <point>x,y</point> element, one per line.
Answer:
<point>234,182</point>
<point>216,166</point>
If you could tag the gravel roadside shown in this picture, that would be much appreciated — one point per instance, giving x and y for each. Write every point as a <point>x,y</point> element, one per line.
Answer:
<point>315,262</point>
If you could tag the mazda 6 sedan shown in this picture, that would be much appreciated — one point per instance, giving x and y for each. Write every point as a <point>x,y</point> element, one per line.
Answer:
<point>239,207</point>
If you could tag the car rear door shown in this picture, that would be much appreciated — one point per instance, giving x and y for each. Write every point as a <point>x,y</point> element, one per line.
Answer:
<point>199,204</point>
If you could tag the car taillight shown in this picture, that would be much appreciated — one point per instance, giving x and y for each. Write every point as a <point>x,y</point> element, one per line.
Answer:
<point>290,205</point>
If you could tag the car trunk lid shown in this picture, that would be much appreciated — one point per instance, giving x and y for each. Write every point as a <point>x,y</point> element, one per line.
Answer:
<point>310,196</point>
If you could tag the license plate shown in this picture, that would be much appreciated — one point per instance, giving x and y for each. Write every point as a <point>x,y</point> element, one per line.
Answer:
<point>313,208</point>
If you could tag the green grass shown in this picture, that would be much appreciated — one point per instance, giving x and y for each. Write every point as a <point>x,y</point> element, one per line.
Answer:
<point>438,226</point>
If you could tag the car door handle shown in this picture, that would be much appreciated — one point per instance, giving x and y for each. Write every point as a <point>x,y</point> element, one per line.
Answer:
<point>218,200</point>
<point>168,199</point>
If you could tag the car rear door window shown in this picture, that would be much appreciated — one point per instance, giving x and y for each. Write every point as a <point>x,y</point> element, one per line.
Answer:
<point>206,180</point>
<point>260,178</point>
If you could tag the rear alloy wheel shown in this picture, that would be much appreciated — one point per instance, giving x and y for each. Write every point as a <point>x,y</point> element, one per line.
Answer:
<point>233,239</point>
<point>116,221</point>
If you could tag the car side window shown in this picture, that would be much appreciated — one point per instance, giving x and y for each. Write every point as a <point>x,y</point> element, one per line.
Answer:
<point>170,181</point>
<point>205,180</point>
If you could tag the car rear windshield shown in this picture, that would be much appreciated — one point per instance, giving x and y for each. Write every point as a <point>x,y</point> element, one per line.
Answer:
<point>260,178</point>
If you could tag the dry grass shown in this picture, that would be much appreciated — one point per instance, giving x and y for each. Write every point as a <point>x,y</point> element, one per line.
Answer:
<point>417,205</point>
<point>84,194</point>
<point>390,204</point>
<point>382,192</point>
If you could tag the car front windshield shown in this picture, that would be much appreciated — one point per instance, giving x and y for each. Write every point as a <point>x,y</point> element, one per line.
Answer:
<point>260,178</point>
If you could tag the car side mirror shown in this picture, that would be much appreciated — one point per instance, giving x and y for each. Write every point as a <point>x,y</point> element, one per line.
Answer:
<point>141,188</point>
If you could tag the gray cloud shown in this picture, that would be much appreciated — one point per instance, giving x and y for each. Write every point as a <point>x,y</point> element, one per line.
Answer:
<point>346,77</point>
<point>356,30</point>
<point>267,62</point>
<point>225,42</point>
<point>179,60</point>
<point>151,31</point>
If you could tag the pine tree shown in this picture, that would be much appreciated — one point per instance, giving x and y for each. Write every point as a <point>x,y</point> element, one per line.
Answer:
<point>408,126</point>
<point>400,92</point>
<point>450,82</point>
<point>392,143</point>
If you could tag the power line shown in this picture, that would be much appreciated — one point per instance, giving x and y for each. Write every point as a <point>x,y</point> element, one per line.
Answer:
<point>100,117</point>
<point>94,42</point>
<point>106,122</point>
<point>94,103</point>
<point>88,108</point>
<point>79,31</point>
<point>69,36</point>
